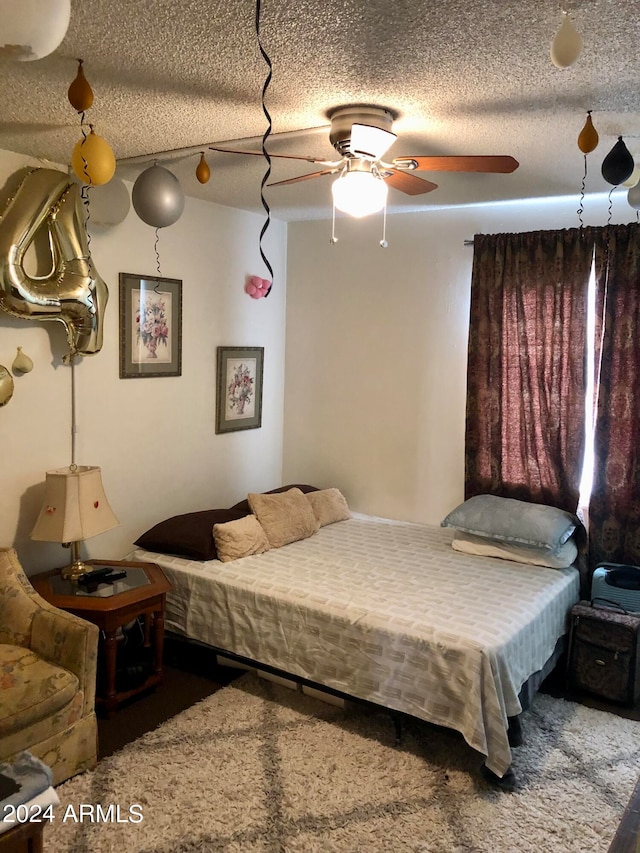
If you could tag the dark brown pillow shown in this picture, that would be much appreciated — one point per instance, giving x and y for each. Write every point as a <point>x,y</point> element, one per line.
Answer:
<point>189,535</point>
<point>243,506</point>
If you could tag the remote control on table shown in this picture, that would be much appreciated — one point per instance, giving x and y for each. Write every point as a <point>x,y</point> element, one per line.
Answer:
<point>101,575</point>
<point>96,573</point>
<point>116,576</point>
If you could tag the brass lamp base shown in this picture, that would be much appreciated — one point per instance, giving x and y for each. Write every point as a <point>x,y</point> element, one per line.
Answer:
<point>75,570</point>
<point>77,567</point>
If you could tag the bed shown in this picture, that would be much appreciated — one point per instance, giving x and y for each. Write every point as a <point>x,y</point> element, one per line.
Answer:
<point>387,612</point>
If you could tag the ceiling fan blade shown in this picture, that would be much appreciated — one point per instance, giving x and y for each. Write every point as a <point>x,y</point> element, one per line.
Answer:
<point>280,156</point>
<point>407,183</point>
<point>304,177</point>
<point>459,163</point>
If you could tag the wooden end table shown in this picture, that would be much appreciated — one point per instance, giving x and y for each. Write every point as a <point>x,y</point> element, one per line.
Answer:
<point>110,607</point>
<point>22,838</point>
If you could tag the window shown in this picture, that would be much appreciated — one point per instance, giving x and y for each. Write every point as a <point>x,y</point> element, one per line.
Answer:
<point>586,480</point>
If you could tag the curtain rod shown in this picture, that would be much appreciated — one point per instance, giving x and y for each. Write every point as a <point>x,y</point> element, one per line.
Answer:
<point>468,242</point>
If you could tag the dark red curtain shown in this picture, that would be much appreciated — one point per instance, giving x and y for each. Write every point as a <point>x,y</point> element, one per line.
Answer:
<point>526,379</point>
<point>614,508</point>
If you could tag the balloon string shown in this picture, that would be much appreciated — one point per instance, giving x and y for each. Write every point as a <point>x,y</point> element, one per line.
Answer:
<point>92,307</point>
<point>266,135</point>
<point>582,190</point>
<point>155,249</point>
<point>85,197</point>
<point>610,205</point>
<point>85,165</point>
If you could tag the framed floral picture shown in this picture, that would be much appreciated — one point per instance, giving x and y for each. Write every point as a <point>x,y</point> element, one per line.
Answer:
<point>150,326</point>
<point>239,391</point>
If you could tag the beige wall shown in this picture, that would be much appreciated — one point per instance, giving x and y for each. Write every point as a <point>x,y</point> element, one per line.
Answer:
<point>375,369</point>
<point>377,348</point>
<point>154,438</point>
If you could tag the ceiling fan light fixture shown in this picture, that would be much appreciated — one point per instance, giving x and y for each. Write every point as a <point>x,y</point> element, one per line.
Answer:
<point>359,192</point>
<point>370,141</point>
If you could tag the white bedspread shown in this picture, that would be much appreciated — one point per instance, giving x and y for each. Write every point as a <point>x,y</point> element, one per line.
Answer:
<point>385,611</point>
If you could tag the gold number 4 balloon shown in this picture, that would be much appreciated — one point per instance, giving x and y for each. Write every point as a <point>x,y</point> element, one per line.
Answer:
<point>71,292</point>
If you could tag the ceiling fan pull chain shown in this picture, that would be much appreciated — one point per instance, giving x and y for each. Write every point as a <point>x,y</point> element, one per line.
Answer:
<point>383,242</point>
<point>333,239</point>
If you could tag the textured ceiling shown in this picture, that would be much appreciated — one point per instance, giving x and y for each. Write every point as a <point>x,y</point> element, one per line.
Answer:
<point>470,77</point>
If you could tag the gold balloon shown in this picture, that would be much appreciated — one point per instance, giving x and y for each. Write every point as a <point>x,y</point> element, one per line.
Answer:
<point>22,363</point>
<point>80,93</point>
<point>588,137</point>
<point>6,385</point>
<point>93,160</point>
<point>203,172</point>
<point>72,292</point>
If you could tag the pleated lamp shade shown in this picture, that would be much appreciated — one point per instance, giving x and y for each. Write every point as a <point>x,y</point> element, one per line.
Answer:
<point>75,506</point>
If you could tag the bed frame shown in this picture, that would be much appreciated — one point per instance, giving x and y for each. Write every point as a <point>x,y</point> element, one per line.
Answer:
<point>515,731</point>
<point>387,613</point>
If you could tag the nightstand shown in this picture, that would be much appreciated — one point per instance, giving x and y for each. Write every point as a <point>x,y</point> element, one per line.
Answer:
<point>604,653</point>
<point>142,593</point>
<point>22,838</point>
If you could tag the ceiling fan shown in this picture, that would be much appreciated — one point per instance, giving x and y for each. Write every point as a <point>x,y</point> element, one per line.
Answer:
<point>361,135</point>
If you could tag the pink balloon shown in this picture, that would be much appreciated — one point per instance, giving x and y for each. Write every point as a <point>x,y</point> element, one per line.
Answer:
<point>257,287</point>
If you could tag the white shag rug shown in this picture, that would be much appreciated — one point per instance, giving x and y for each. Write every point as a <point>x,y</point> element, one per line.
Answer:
<point>259,768</point>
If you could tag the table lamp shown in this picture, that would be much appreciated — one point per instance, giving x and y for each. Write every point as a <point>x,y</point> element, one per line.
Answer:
<point>75,508</point>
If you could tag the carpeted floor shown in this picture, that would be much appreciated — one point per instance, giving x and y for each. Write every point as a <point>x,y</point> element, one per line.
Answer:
<point>258,768</point>
<point>191,674</point>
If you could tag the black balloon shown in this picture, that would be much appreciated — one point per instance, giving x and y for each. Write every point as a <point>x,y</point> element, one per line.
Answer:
<point>618,165</point>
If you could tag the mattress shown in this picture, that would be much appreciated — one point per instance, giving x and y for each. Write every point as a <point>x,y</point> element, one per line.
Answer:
<point>385,611</point>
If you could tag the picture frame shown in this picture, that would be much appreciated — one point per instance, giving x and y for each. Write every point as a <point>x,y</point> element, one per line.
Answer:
<point>239,388</point>
<point>150,326</point>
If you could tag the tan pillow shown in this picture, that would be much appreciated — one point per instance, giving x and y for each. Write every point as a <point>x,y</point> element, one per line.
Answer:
<point>285,517</point>
<point>239,538</point>
<point>328,505</point>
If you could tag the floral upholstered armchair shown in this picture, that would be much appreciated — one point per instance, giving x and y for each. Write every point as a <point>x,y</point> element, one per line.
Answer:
<point>47,677</point>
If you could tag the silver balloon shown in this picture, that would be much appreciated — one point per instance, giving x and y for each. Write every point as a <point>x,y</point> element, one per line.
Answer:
<point>71,292</point>
<point>633,197</point>
<point>109,203</point>
<point>157,197</point>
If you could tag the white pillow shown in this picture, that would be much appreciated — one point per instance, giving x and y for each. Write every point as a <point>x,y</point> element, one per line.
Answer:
<point>538,556</point>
